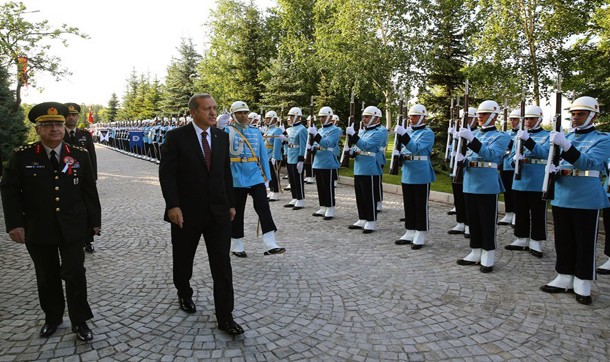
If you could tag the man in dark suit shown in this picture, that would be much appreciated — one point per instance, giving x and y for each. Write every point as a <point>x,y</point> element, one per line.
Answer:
<point>81,138</point>
<point>197,186</point>
<point>51,204</point>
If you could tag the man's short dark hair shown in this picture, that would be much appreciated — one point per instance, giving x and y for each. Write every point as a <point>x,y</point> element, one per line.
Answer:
<point>193,103</point>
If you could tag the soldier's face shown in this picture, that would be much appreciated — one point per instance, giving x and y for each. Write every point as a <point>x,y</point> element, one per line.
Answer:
<point>413,119</point>
<point>71,120</point>
<point>242,117</point>
<point>204,116</point>
<point>51,133</point>
<point>530,122</point>
<point>579,118</point>
<point>514,123</point>
<point>483,117</point>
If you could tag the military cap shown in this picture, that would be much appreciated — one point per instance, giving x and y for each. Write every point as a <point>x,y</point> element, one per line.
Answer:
<point>73,108</point>
<point>48,112</point>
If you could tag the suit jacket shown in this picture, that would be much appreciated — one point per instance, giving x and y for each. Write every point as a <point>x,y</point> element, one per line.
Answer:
<point>52,207</point>
<point>186,181</point>
<point>82,138</point>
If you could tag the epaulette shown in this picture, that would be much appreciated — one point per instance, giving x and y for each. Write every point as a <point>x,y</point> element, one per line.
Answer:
<point>24,147</point>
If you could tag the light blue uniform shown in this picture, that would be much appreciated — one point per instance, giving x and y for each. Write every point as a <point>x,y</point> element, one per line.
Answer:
<point>273,144</point>
<point>369,143</point>
<point>326,145</point>
<point>382,148</point>
<point>508,158</point>
<point>247,174</point>
<point>535,152</point>
<point>490,145</point>
<point>297,143</point>
<point>414,170</point>
<point>590,151</point>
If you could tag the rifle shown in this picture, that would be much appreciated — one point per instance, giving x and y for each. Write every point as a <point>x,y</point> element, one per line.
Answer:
<point>350,121</point>
<point>458,166</point>
<point>449,135</point>
<point>395,163</point>
<point>548,184</point>
<point>505,114</point>
<point>519,148</point>
<point>310,141</point>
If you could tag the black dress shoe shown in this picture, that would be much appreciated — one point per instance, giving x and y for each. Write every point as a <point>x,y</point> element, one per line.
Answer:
<point>486,269</point>
<point>536,253</point>
<point>516,247</point>
<point>602,271</point>
<point>297,207</point>
<point>467,236</point>
<point>354,227</point>
<point>187,305</point>
<point>451,212</point>
<point>275,251</point>
<point>402,219</point>
<point>328,218</point>
<point>584,299</point>
<point>403,242</point>
<point>289,205</point>
<point>454,232</point>
<point>89,247</point>
<point>48,329</point>
<point>82,331</point>
<point>467,262</point>
<point>317,215</point>
<point>367,231</point>
<point>551,289</point>
<point>240,254</point>
<point>417,246</point>
<point>503,223</point>
<point>231,327</point>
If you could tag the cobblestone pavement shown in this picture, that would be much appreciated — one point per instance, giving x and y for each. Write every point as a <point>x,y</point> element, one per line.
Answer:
<point>336,294</point>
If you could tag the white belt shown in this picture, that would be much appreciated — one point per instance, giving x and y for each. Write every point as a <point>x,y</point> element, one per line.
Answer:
<point>482,164</point>
<point>293,146</point>
<point>583,173</point>
<point>415,158</point>
<point>366,153</point>
<point>326,149</point>
<point>534,161</point>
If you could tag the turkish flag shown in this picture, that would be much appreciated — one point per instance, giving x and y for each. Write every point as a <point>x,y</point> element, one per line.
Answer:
<point>90,117</point>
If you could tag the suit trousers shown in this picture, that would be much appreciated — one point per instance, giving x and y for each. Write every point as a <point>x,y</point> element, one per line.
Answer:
<point>366,197</point>
<point>482,210</point>
<point>274,184</point>
<point>297,181</point>
<point>575,240</point>
<point>530,211</point>
<point>606,213</point>
<point>458,202</point>
<point>50,271</point>
<point>261,206</point>
<point>217,237</point>
<point>325,183</point>
<point>507,180</point>
<point>415,203</point>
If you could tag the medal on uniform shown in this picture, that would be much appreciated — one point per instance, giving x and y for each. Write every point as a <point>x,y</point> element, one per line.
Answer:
<point>69,161</point>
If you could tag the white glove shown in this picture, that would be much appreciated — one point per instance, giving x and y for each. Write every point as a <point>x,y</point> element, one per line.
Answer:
<point>395,152</point>
<point>400,130</point>
<point>350,131</point>
<point>518,157</point>
<point>523,134</point>
<point>282,128</point>
<point>553,168</point>
<point>560,140</point>
<point>455,133</point>
<point>466,133</point>
<point>283,138</point>
<point>308,147</point>
<point>266,184</point>
<point>300,167</point>
<point>272,161</point>
<point>450,130</point>
<point>460,157</point>
<point>312,131</point>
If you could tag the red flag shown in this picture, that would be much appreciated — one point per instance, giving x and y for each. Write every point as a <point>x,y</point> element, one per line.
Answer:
<point>90,117</point>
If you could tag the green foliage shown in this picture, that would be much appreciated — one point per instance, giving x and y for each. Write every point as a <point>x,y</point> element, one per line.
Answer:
<point>113,109</point>
<point>13,130</point>
<point>179,83</point>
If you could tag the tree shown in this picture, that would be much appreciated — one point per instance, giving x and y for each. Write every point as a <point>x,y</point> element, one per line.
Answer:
<point>113,108</point>
<point>25,47</point>
<point>180,80</point>
<point>13,131</point>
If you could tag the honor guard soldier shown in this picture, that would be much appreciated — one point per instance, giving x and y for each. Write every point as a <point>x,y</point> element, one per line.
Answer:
<point>325,163</point>
<point>417,173</point>
<point>250,170</point>
<point>81,138</point>
<point>382,161</point>
<point>295,157</point>
<point>604,269</point>
<point>530,208</point>
<point>579,195</point>
<point>51,204</point>
<point>367,168</point>
<point>508,170</point>
<point>482,184</point>
<point>458,187</point>
<point>273,144</point>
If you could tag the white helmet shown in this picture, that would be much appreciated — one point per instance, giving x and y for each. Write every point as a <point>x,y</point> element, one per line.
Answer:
<point>239,106</point>
<point>374,112</point>
<point>418,110</point>
<point>326,112</point>
<point>585,104</point>
<point>472,112</point>
<point>489,107</point>
<point>295,111</point>
<point>272,116</point>
<point>516,113</point>
<point>252,116</point>
<point>335,118</point>
<point>534,111</point>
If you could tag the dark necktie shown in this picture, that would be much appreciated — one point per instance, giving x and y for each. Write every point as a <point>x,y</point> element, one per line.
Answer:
<point>72,138</point>
<point>207,151</point>
<point>54,161</point>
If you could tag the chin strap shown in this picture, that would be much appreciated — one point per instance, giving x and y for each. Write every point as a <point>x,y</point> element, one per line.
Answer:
<point>491,118</point>
<point>586,124</point>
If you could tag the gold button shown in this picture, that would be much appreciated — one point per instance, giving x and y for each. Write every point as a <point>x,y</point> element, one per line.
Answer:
<point>57,209</point>
<point>56,188</point>
<point>57,177</point>
<point>57,199</point>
